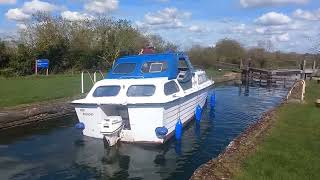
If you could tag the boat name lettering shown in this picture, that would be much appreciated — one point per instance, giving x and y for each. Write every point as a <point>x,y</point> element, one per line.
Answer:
<point>88,114</point>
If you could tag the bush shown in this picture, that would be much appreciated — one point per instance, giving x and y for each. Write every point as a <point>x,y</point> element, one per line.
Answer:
<point>8,72</point>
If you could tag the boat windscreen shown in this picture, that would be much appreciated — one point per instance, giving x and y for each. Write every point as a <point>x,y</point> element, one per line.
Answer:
<point>141,90</point>
<point>124,68</point>
<point>106,91</point>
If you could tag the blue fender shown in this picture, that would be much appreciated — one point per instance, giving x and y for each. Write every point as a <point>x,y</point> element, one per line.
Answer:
<point>161,132</point>
<point>213,100</point>
<point>80,126</point>
<point>198,113</point>
<point>178,131</point>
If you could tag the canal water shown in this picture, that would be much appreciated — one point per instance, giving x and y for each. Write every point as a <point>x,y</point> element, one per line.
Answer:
<point>56,150</point>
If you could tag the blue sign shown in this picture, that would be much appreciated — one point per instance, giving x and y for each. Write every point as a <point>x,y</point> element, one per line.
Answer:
<point>42,63</point>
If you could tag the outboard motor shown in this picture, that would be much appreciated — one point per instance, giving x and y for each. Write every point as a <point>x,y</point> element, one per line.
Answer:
<point>111,128</point>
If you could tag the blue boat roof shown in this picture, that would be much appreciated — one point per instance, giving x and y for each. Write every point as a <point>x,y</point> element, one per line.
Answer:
<point>147,66</point>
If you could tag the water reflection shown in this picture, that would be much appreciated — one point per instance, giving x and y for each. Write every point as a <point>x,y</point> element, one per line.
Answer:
<point>56,150</point>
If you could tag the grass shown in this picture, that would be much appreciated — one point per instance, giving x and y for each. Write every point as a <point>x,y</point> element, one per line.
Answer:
<point>211,72</point>
<point>291,150</point>
<point>30,89</point>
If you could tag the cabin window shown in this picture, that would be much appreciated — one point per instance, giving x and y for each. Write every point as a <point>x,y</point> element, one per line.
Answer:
<point>170,88</point>
<point>106,91</point>
<point>154,67</point>
<point>141,90</point>
<point>202,78</point>
<point>124,68</point>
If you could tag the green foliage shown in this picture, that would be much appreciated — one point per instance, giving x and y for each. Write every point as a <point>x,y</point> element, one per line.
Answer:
<point>229,50</point>
<point>88,44</point>
<point>232,52</point>
<point>22,60</point>
<point>7,72</point>
<point>291,151</point>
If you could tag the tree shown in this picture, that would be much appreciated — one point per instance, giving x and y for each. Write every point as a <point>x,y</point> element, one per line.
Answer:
<point>229,51</point>
<point>4,55</point>
<point>258,57</point>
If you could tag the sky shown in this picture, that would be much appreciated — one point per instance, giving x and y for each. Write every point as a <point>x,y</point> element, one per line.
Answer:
<point>288,25</point>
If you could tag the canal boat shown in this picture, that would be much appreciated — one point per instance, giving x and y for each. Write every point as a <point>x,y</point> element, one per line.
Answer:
<point>143,99</point>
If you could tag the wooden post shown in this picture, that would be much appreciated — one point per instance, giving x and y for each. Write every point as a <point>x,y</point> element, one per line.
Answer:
<point>314,65</point>
<point>36,67</point>
<point>47,72</point>
<point>269,78</point>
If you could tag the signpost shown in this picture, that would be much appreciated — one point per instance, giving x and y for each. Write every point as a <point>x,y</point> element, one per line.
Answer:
<point>42,64</point>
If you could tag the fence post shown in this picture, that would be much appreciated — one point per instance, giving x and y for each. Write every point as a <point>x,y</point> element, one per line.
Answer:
<point>94,77</point>
<point>36,67</point>
<point>82,90</point>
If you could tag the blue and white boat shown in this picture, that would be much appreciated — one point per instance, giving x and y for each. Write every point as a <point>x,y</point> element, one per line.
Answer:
<point>142,99</point>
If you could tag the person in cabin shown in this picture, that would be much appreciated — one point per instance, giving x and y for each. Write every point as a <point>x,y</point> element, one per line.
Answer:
<point>147,50</point>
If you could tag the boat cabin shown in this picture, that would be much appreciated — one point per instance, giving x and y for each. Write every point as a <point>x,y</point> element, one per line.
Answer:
<point>170,65</point>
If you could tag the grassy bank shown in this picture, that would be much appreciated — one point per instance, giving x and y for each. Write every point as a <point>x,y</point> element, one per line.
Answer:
<point>291,150</point>
<point>30,89</point>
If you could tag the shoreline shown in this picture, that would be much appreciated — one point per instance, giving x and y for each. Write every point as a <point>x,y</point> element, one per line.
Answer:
<point>27,114</point>
<point>228,162</point>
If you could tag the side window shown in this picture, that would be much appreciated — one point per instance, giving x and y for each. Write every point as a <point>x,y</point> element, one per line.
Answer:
<point>170,88</point>
<point>154,67</point>
<point>106,91</point>
<point>141,90</point>
<point>124,68</point>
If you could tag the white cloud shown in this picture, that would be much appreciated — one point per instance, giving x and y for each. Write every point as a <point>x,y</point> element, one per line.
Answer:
<point>239,29</point>
<point>17,15</point>
<point>28,8</point>
<point>76,16</point>
<point>38,6</point>
<point>260,3</point>
<point>101,6</point>
<point>8,1</point>
<point>273,18</point>
<point>166,18</point>
<point>281,38</point>
<point>21,26</point>
<point>195,28</point>
<point>307,15</point>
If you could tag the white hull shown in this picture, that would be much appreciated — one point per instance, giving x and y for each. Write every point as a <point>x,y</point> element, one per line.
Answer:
<point>130,119</point>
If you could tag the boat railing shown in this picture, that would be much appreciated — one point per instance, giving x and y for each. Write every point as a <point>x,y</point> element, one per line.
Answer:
<point>93,79</point>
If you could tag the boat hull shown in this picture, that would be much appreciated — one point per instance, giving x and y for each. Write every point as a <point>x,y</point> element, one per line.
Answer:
<point>142,119</point>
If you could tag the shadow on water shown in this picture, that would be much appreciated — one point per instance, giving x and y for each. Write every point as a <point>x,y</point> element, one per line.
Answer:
<point>55,150</point>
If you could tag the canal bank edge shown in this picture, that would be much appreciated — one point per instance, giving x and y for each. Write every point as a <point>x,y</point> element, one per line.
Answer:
<point>228,163</point>
<point>33,113</point>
